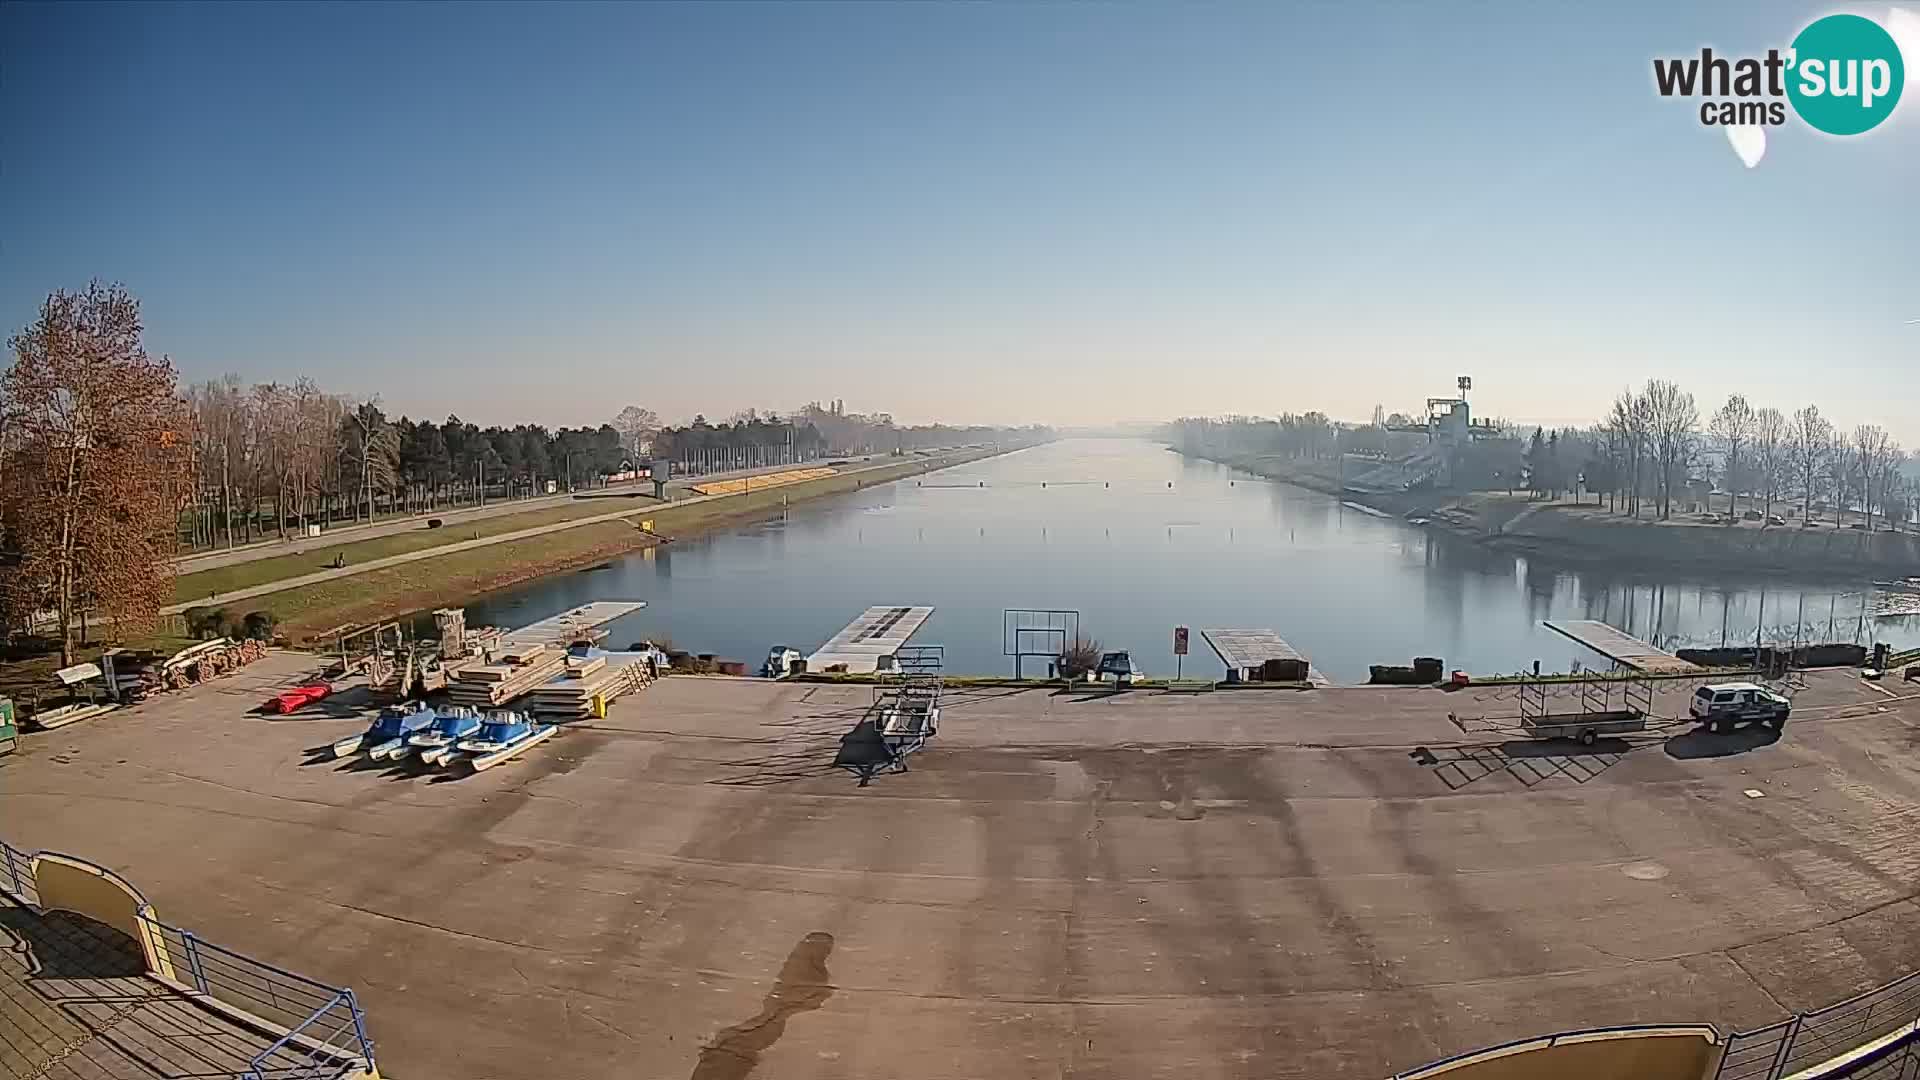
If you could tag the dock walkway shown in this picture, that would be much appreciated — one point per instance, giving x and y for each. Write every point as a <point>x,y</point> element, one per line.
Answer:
<point>564,629</point>
<point>1622,648</point>
<point>876,632</point>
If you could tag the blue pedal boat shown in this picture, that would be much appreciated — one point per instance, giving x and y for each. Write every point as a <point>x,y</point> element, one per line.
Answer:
<point>502,736</point>
<point>453,724</point>
<point>390,730</point>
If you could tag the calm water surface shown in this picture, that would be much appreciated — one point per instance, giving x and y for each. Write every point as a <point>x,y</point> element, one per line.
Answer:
<point>1139,540</point>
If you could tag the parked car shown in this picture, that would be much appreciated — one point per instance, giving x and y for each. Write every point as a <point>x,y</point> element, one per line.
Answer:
<point>1721,707</point>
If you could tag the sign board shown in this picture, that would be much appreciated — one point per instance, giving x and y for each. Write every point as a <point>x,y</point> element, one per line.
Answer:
<point>1179,641</point>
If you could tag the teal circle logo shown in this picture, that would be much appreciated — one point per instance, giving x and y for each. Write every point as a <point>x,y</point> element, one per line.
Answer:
<point>1845,75</point>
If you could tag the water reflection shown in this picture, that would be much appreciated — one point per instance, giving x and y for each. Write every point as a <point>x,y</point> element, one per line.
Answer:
<point>1108,537</point>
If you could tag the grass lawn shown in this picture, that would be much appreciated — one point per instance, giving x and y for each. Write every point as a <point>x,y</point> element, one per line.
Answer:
<point>27,666</point>
<point>314,612</point>
<point>204,583</point>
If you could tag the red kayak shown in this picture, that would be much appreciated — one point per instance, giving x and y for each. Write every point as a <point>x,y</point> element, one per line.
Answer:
<point>297,697</point>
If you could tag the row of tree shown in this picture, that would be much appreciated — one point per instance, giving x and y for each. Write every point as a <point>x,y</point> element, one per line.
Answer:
<point>274,456</point>
<point>108,469</point>
<point>1651,448</point>
<point>1653,443</point>
<point>813,431</point>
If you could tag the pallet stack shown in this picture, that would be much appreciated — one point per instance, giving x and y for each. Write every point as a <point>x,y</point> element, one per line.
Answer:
<point>569,694</point>
<point>520,669</point>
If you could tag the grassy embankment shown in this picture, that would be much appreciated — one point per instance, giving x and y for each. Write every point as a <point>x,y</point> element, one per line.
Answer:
<point>312,610</point>
<point>203,583</point>
<point>27,666</point>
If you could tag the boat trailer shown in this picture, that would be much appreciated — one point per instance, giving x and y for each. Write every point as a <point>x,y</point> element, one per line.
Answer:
<point>904,714</point>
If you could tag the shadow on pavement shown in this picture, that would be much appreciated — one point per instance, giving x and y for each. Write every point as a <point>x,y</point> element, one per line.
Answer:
<point>1528,761</point>
<point>1701,743</point>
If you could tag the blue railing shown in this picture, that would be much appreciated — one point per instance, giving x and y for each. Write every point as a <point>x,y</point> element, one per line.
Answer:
<point>326,1032</point>
<point>1808,1039</point>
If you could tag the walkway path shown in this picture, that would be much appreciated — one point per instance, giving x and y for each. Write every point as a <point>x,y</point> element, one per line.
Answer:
<point>349,534</point>
<point>331,574</point>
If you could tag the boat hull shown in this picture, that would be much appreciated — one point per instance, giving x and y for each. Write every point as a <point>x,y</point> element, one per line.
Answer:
<point>482,755</point>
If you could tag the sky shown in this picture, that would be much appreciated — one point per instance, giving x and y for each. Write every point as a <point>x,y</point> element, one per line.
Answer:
<point>973,212</point>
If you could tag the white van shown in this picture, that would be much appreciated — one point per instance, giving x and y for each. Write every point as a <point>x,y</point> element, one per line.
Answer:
<point>1724,706</point>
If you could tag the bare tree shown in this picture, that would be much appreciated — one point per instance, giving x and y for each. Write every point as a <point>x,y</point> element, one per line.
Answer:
<point>1809,436</point>
<point>1732,428</point>
<point>96,440</point>
<point>1673,423</point>
<point>636,427</point>
<point>1632,423</point>
<point>1769,455</point>
<point>1874,455</point>
<point>372,448</point>
<point>1839,473</point>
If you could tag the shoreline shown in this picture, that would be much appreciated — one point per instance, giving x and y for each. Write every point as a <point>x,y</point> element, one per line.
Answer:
<point>1585,537</point>
<point>310,613</point>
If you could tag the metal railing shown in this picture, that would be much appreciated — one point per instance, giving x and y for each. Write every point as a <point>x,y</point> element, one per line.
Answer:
<point>1808,1039</point>
<point>1537,1042</point>
<point>325,1030</point>
<point>16,875</point>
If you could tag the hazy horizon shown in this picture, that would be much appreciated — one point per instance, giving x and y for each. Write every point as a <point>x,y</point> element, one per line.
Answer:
<point>1078,215</point>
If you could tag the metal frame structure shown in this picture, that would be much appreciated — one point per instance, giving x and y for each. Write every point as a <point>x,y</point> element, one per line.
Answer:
<point>904,714</point>
<point>1808,1039</point>
<point>1021,627</point>
<point>1597,695</point>
<point>325,1029</point>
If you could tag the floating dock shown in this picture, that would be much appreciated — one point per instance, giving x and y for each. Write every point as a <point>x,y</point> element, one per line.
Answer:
<point>1622,648</point>
<point>878,631</point>
<point>568,627</point>
<point>1260,655</point>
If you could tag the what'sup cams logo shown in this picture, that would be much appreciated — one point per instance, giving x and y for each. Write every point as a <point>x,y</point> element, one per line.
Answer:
<point>1842,75</point>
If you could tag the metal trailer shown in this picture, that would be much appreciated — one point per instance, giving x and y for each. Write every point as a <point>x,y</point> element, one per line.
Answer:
<point>1608,706</point>
<point>1586,728</point>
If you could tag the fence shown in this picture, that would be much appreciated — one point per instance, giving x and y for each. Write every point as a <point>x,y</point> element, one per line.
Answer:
<point>1806,1040</point>
<point>16,874</point>
<point>326,1033</point>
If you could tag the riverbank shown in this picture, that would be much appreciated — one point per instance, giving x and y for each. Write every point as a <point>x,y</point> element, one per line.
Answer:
<point>314,611</point>
<point>1586,534</point>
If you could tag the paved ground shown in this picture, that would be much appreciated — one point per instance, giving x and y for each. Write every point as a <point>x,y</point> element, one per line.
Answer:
<point>1328,884</point>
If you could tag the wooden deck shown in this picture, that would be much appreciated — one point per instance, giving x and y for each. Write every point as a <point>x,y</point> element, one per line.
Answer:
<point>561,630</point>
<point>1622,648</point>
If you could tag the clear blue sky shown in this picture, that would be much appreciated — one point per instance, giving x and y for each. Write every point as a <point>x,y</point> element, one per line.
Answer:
<point>981,212</point>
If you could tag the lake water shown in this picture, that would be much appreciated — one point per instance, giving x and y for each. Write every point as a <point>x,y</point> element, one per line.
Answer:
<point>1138,540</point>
